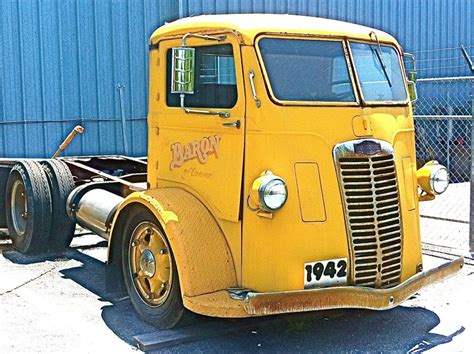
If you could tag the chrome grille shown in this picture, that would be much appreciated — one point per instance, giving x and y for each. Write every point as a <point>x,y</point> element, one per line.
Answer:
<point>372,211</point>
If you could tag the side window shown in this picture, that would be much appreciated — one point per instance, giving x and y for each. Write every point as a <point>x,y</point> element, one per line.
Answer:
<point>215,85</point>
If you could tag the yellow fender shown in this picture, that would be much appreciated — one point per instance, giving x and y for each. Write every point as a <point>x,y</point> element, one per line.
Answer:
<point>201,252</point>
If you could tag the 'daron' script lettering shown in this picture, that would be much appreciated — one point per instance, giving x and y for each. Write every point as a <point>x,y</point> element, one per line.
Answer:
<point>197,149</point>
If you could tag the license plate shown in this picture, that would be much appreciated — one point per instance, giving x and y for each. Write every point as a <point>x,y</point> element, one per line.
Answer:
<point>325,273</point>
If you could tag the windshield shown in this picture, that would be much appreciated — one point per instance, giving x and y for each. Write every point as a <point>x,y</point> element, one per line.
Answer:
<point>379,72</point>
<point>307,70</point>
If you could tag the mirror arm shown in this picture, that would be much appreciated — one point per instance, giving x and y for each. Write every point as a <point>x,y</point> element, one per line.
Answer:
<point>182,95</point>
<point>201,111</point>
<point>413,73</point>
<point>202,36</point>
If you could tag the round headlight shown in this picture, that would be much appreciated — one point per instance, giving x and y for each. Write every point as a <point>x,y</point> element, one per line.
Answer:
<point>273,194</point>
<point>433,178</point>
<point>439,180</point>
<point>269,192</point>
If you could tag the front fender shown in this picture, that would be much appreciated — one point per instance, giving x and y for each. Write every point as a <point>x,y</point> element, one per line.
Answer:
<point>200,249</point>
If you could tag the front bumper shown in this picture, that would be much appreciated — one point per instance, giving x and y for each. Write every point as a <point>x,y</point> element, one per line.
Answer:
<point>346,296</point>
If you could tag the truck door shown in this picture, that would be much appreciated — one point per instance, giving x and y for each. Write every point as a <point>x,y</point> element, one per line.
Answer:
<point>201,152</point>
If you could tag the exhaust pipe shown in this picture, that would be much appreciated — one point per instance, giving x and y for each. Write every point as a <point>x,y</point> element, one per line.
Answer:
<point>93,208</point>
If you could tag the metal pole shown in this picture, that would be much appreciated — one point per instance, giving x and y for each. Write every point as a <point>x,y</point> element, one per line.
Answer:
<point>449,132</point>
<point>471,224</point>
<point>120,89</point>
<point>181,9</point>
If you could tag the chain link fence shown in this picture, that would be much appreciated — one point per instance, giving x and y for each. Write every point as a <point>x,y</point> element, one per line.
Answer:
<point>443,125</point>
<point>443,120</point>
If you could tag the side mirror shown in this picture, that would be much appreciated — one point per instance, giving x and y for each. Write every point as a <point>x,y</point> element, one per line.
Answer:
<point>412,91</point>
<point>411,76</point>
<point>182,73</point>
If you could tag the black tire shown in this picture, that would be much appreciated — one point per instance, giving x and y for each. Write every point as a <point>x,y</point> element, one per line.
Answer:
<point>171,312</point>
<point>4,172</point>
<point>28,190</point>
<point>61,183</point>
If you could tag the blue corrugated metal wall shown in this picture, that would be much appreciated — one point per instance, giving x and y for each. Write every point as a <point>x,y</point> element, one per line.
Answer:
<point>68,62</point>
<point>72,62</point>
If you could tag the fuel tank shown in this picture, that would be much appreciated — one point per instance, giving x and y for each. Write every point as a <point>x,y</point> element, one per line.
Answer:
<point>93,208</point>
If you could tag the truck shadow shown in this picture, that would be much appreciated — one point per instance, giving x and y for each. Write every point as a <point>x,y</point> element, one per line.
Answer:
<point>404,329</point>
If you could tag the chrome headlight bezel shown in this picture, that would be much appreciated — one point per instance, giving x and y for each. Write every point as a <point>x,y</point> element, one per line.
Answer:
<point>262,189</point>
<point>434,178</point>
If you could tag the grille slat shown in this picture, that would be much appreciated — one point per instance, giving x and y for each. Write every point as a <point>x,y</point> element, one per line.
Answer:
<point>389,236</point>
<point>356,182</point>
<point>390,256</point>
<point>373,218</point>
<point>388,229</point>
<point>389,217</point>
<point>388,209</point>
<point>388,222</point>
<point>381,181</point>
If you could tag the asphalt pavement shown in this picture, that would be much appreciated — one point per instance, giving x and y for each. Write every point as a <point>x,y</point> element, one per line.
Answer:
<point>59,304</point>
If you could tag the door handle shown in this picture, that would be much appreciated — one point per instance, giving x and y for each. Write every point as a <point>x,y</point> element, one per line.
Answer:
<point>235,124</point>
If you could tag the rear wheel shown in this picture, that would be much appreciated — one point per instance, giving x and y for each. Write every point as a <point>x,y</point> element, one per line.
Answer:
<point>61,183</point>
<point>28,207</point>
<point>150,273</point>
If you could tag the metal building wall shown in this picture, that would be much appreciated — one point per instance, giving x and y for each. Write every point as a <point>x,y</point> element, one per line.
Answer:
<point>419,25</point>
<point>68,62</point>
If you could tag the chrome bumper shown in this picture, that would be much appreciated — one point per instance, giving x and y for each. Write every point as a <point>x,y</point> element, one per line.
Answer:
<point>346,296</point>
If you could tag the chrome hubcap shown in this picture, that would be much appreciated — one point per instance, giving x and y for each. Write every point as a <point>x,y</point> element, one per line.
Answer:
<point>147,263</point>
<point>150,264</point>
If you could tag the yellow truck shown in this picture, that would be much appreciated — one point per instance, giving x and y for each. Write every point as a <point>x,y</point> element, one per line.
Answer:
<point>281,176</point>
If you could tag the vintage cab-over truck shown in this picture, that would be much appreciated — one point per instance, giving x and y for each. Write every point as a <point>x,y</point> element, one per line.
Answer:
<point>281,176</point>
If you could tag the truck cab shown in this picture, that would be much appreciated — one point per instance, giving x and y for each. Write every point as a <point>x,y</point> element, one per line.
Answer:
<point>296,136</point>
<point>281,173</point>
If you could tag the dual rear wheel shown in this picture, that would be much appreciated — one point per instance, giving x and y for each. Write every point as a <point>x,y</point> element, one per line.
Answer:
<point>36,194</point>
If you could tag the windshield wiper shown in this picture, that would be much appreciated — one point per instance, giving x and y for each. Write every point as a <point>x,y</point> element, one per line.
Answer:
<point>378,52</point>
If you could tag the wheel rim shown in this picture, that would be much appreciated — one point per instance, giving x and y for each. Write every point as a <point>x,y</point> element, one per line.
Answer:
<point>19,207</point>
<point>150,264</point>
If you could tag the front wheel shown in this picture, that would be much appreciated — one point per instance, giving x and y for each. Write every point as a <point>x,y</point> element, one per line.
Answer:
<point>150,273</point>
